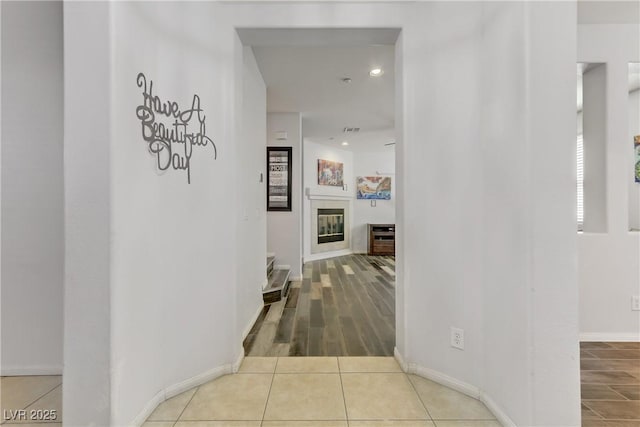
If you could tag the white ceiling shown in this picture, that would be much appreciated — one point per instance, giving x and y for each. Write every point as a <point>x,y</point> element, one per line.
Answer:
<point>308,79</point>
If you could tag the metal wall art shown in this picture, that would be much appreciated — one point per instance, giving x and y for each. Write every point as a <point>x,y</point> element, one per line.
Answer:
<point>170,132</point>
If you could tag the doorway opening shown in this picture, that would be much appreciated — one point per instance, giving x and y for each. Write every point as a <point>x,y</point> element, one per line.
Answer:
<point>331,102</point>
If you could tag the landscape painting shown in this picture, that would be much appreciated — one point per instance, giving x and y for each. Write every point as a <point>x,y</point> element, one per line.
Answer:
<point>373,187</point>
<point>330,173</point>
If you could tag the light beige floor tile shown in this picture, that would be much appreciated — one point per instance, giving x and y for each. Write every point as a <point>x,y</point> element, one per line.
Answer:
<point>170,409</point>
<point>34,424</point>
<point>305,397</point>
<point>20,392</point>
<point>153,424</point>
<point>412,423</point>
<point>307,365</point>
<point>232,397</point>
<point>444,403</point>
<point>217,424</point>
<point>368,364</point>
<point>381,396</point>
<point>258,365</point>
<point>347,269</point>
<point>332,423</point>
<point>49,406</point>
<point>468,423</point>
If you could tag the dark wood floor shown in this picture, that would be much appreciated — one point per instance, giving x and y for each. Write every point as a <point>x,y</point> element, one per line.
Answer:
<point>344,306</point>
<point>610,384</point>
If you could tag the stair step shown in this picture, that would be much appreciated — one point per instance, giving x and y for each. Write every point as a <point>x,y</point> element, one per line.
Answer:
<point>278,286</point>
<point>270,263</point>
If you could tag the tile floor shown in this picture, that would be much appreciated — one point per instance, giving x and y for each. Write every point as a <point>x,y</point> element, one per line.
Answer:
<point>40,394</point>
<point>610,384</point>
<point>348,391</point>
<point>321,391</point>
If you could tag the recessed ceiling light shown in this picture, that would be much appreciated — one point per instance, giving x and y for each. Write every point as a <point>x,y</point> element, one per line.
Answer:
<point>345,143</point>
<point>376,72</point>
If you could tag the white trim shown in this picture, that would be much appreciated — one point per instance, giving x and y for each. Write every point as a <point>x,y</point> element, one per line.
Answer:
<point>296,278</point>
<point>265,284</point>
<point>400,359</point>
<point>325,255</point>
<point>175,389</point>
<point>282,267</point>
<point>455,384</point>
<point>445,380</point>
<point>318,196</point>
<point>610,336</point>
<point>11,371</point>
<point>247,328</point>
<point>496,410</point>
<point>236,366</point>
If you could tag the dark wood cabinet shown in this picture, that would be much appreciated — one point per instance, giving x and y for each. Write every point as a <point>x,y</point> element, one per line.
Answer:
<point>382,239</point>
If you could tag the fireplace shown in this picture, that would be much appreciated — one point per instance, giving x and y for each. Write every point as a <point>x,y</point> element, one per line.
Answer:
<point>330,225</point>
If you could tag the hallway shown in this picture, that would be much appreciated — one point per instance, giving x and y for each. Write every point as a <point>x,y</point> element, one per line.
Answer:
<point>321,391</point>
<point>344,306</point>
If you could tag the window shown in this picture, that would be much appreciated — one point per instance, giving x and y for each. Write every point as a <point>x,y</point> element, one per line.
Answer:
<point>580,182</point>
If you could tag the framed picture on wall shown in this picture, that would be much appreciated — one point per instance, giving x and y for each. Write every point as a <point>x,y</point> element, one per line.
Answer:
<point>330,173</point>
<point>279,179</point>
<point>373,187</point>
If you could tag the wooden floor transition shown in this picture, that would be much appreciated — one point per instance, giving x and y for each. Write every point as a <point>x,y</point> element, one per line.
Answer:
<point>610,383</point>
<point>344,306</point>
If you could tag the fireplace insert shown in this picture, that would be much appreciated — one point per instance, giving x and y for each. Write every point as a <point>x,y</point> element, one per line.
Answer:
<point>330,225</point>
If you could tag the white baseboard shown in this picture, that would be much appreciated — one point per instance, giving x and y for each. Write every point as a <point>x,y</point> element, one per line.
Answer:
<point>455,384</point>
<point>326,255</point>
<point>11,371</point>
<point>282,267</point>
<point>610,336</point>
<point>400,359</point>
<point>247,328</point>
<point>175,389</point>
<point>445,380</point>
<point>497,411</point>
<point>236,366</point>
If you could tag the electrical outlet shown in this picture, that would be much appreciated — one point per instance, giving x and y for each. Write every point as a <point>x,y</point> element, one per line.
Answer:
<point>635,303</point>
<point>457,338</point>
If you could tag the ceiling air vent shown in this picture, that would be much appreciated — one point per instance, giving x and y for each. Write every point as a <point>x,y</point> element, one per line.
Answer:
<point>351,130</point>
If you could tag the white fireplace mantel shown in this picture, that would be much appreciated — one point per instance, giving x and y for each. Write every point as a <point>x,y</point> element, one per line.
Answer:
<point>320,196</point>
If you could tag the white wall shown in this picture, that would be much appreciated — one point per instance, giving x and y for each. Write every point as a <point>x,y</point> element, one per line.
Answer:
<point>32,188</point>
<point>174,248</point>
<point>252,230</point>
<point>487,241</point>
<point>634,187</point>
<point>368,164</point>
<point>86,389</point>
<point>594,131</point>
<point>609,263</point>
<point>489,244</point>
<point>311,154</point>
<point>284,229</point>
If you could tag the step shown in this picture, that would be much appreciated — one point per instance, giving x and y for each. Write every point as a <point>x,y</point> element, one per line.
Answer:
<point>278,286</point>
<point>270,263</point>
